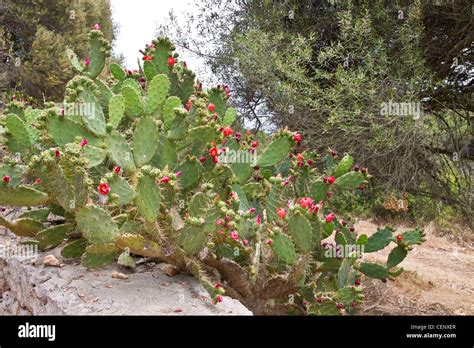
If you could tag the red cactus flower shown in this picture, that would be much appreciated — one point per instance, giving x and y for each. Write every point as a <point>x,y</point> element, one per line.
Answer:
<point>399,237</point>
<point>84,142</point>
<point>228,131</point>
<point>103,188</point>
<point>202,159</point>
<point>219,298</point>
<point>171,61</point>
<point>281,212</point>
<point>215,159</point>
<point>234,235</point>
<point>6,179</point>
<point>333,153</point>
<point>213,152</point>
<point>258,219</point>
<point>165,179</point>
<point>117,169</point>
<point>329,218</point>
<point>38,181</point>
<point>299,157</point>
<point>217,285</point>
<point>87,61</point>
<point>268,241</point>
<point>252,210</point>
<point>330,180</point>
<point>188,105</point>
<point>306,202</point>
<point>57,154</point>
<point>297,137</point>
<point>147,58</point>
<point>211,107</point>
<point>178,173</point>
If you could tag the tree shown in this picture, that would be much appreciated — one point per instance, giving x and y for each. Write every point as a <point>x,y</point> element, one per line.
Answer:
<point>34,36</point>
<point>329,68</point>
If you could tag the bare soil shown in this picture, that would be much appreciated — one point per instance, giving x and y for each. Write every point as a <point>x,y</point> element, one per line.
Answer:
<point>438,278</point>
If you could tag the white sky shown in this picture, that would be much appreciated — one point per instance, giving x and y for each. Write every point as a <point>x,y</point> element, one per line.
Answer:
<point>138,20</point>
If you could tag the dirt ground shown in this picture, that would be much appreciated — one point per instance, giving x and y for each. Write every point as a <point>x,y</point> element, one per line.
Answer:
<point>438,278</point>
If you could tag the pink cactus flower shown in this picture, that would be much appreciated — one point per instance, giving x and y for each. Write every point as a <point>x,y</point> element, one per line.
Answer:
<point>234,235</point>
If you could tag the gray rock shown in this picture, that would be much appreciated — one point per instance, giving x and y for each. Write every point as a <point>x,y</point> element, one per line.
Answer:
<point>74,290</point>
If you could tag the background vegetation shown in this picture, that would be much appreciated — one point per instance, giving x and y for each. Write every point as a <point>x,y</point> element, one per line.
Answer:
<point>326,67</point>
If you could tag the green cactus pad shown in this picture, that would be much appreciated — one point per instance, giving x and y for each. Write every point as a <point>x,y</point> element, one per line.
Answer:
<point>55,182</point>
<point>18,130</point>
<point>327,229</point>
<point>64,131</point>
<point>116,110</point>
<point>98,53</point>
<point>77,177</point>
<point>343,273</point>
<point>396,256</point>
<point>161,52</point>
<point>187,85</point>
<point>165,154</point>
<point>53,236</point>
<point>22,196</point>
<point>374,270</point>
<point>105,94</point>
<point>37,214</point>
<point>318,190</point>
<point>325,308</point>
<point>130,82</point>
<point>120,151</point>
<point>378,240</point>
<point>275,152</point>
<point>94,155</point>
<point>301,232</point>
<point>75,63</point>
<point>96,256</point>
<point>229,117</point>
<point>190,173</point>
<point>133,101</point>
<point>97,225</point>
<point>157,93</point>
<point>343,166</point>
<point>148,199</point>
<point>149,70</point>
<point>283,247</point>
<point>413,237</point>
<point>117,71</point>
<point>350,181</point>
<point>168,110</point>
<point>93,115</point>
<point>145,141</point>
<point>22,227</point>
<point>121,187</point>
<point>198,205</point>
<point>274,201</point>
<point>193,239</point>
<point>244,204</point>
<point>139,245</point>
<point>131,227</point>
<point>15,172</point>
<point>204,134</point>
<point>74,249</point>
<point>243,171</point>
<point>216,98</point>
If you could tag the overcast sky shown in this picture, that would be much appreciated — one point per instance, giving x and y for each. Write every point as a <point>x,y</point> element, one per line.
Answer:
<point>138,20</point>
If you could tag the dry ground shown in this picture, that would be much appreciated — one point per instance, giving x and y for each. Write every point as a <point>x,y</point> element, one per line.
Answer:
<point>438,278</point>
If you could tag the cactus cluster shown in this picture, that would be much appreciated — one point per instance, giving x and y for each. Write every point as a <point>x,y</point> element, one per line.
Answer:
<point>133,169</point>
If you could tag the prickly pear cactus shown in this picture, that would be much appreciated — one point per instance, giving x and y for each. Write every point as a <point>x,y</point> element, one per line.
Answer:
<point>150,164</point>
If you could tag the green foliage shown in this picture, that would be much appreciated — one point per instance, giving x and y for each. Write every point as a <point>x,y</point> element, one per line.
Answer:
<point>152,184</point>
